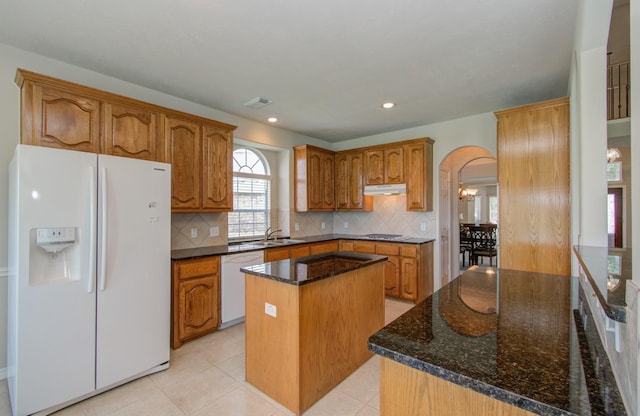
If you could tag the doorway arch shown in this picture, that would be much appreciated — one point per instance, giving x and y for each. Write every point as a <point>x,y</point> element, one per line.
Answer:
<point>449,171</point>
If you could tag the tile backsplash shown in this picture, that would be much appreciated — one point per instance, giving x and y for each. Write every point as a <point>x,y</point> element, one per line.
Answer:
<point>183,223</point>
<point>389,217</point>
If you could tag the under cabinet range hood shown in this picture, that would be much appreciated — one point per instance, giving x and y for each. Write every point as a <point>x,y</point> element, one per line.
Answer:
<point>393,189</point>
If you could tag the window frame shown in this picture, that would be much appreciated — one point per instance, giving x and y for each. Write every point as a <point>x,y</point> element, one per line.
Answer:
<point>257,232</point>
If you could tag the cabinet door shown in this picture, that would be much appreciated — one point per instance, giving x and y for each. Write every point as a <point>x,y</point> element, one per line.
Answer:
<point>374,167</point>
<point>350,182</point>
<point>394,165</point>
<point>328,179</point>
<point>184,141</point>
<point>321,178</point>
<point>217,175</point>
<point>408,278</point>
<point>392,276</point>
<point>131,132</point>
<point>56,118</point>
<point>342,181</point>
<point>315,185</point>
<point>419,161</point>
<point>199,312</point>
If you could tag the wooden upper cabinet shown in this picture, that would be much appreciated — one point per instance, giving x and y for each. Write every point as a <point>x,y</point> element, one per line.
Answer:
<point>419,177</point>
<point>350,182</point>
<point>184,139</point>
<point>314,179</point>
<point>200,154</point>
<point>217,174</point>
<point>54,117</point>
<point>384,165</point>
<point>132,132</point>
<point>534,179</point>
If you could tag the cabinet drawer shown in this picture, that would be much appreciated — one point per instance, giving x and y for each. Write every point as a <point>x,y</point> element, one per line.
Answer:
<point>364,247</point>
<point>324,247</point>
<point>346,245</point>
<point>299,251</point>
<point>388,249</point>
<point>407,250</point>
<point>275,254</point>
<point>198,267</point>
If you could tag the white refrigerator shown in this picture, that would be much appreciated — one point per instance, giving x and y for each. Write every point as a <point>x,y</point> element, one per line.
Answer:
<point>89,274</point>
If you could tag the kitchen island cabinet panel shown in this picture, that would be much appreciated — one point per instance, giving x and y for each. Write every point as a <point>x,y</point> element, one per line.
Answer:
<point>407,391</point>
<point>304,349</point>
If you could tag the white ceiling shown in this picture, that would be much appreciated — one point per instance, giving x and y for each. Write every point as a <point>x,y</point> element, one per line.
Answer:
<point>326,65</point>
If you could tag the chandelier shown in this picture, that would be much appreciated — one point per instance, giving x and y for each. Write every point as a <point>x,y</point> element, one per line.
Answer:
<point>467,194</point>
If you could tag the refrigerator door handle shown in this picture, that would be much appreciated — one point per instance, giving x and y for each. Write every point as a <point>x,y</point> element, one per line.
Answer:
<point>103,230</point>
<point>93,224</point>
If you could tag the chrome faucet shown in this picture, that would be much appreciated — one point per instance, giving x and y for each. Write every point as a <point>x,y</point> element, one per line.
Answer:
<point>268,233</point>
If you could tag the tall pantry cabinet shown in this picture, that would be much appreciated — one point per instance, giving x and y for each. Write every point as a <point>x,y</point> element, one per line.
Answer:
<point>534,186</point>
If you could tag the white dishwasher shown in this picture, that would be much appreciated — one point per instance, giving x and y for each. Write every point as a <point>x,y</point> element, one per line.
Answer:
<point>232,285</point>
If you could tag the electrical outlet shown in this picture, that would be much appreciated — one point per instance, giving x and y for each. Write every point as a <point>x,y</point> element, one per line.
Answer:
<point>423,226</point>
<point>214,231</point>
<point>296,226</point>
<point>322,225</point>
<point>194,233</point>
<point>346,224</point>
<point>270,309</point>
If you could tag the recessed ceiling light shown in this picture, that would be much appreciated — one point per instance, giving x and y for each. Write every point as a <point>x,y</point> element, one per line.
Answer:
<point>273,119</point>
<point>388,105</point>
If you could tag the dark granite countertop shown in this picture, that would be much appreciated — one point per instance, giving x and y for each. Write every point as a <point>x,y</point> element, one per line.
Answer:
<point>510,335</point>
<point>607,270</point>
<point>221,250</point>
<point>303,270</point>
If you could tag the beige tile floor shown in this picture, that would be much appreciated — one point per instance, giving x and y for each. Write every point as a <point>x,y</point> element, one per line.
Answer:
<point>206,377</point>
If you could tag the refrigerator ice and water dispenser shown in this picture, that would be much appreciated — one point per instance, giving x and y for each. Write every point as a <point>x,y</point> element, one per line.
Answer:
<point>52,257</point>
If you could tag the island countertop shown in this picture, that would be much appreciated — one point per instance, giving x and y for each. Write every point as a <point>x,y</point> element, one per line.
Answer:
<point>303,270</point>
<point>510,335</point>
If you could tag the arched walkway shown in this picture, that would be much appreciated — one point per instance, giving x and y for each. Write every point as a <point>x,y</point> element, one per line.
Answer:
<point>449,171</point>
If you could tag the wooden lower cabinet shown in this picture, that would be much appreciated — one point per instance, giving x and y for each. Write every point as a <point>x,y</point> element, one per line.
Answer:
<point>408,271</point>
<point>195,302</point>
<point>300,250</point>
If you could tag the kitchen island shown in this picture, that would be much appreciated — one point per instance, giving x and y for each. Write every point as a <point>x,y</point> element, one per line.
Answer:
<point>307,323</point>
<point>496,342</point>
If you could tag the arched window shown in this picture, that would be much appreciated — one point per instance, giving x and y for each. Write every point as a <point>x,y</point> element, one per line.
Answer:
<point>251,195</point>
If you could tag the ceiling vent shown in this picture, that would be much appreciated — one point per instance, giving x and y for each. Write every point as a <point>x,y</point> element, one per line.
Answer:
<point>257,102</point>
